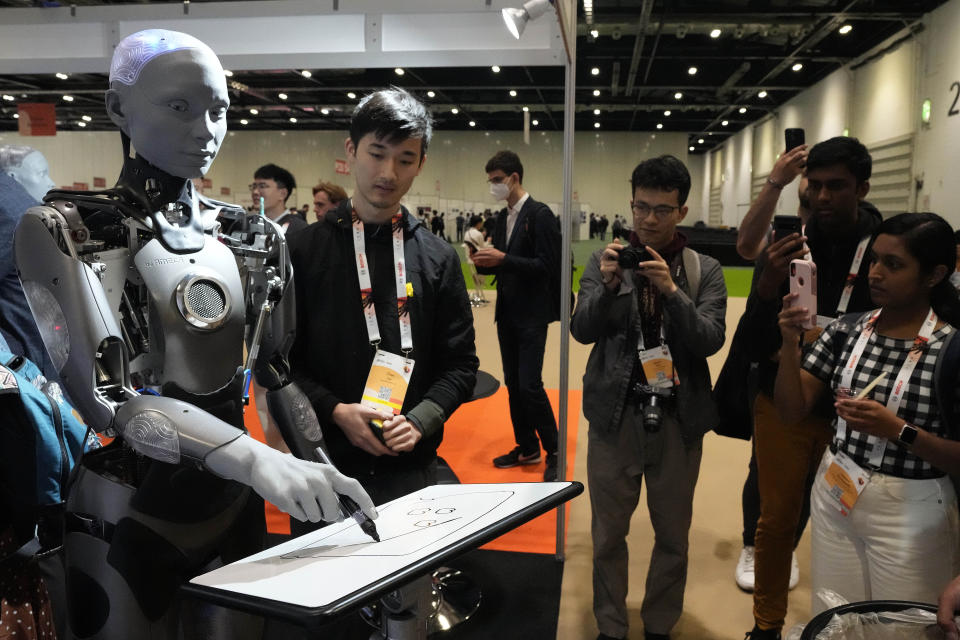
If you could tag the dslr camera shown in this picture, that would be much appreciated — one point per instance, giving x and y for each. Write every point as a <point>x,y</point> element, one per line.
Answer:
<point>631,257</point>
<point>652,401</point>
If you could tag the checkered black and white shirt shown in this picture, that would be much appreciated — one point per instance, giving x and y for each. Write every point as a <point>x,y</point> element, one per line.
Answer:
<point>919,406</point>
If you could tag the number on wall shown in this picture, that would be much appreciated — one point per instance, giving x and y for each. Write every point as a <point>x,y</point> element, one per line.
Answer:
<point>955,87</point>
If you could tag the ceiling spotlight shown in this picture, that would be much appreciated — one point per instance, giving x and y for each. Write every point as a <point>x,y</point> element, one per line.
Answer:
<point>8,97</point>
<point>659,125</point>
<point>596,125</point>
<point>244,121</point>
<point>692,71</point>
<point>495,69</point>
<point>682,31</point>
<point>293,120</point>
<point>715,33</point>
<point>228,73</point>
<point>700,141</point>
<point>86,118</point>
<point>797,67</point>
<point>517,19</point>
<point>513,93</point>
<point>596,112</point>
<point>525,109</point>
<point>595,71</point>
<point>16,116</point>
<point>845,29</point>
<point>454,111</point>
<point>254,112</point>
<point>306,73</point>
<point>282,96</point>
<point>677,96</point>
<point>351,95</point>
<point>596,93</point>
<point>743,109</point>
<point>725,123</point>
<point>81,124</point>
<point>594,34</point>
<point>667,113</point>
<point>762,94</point>
<point>62,76</point>
<point>738,32</point>
<point>431,94</point>
<point>472,123</point>
<point>535,122</point>
<point>398,71</point>
<point>68,98</point>
<point>325,111</point>
<point>691,149</point>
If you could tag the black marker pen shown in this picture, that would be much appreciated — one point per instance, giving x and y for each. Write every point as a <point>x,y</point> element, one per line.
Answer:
<point>350,508</point>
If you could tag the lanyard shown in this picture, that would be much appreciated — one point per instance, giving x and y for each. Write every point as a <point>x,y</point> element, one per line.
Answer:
<point>852,276</point>
<point>366,287</point>
<point>899,387</point>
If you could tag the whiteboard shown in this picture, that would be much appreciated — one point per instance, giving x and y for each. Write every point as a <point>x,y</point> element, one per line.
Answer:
<point>337,567</point>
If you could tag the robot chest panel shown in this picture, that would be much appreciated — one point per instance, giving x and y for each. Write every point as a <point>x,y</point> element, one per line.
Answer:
<point>196,313</point>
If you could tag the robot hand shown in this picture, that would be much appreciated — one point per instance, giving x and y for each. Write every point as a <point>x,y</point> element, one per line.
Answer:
<point>306,490</point>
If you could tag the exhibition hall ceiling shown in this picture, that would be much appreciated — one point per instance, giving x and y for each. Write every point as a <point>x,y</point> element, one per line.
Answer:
<point>704,67</point>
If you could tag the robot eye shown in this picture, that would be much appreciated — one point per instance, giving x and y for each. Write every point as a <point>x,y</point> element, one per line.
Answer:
<point>178,105</point>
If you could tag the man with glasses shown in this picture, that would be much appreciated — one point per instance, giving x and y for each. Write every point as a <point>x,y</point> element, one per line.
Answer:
<point>275,184</point>
<point>654,311</point>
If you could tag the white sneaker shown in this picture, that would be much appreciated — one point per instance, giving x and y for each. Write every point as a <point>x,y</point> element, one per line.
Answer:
<point>794,572</point>
<point>744,573</point>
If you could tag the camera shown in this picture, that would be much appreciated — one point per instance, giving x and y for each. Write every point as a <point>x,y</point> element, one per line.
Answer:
<point>631,257</point>
<point>652,400</point>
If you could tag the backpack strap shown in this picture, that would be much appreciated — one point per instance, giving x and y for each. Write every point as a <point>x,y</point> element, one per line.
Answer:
<point>945,382</point>
<point>691,265</point>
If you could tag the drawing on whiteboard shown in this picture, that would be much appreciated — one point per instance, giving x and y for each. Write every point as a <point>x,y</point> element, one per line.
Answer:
<point>406,526</point>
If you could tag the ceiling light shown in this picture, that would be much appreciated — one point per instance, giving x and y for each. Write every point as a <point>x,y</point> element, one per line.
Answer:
<point>845,29</point>
<point>677,96</point>
<point>667,113</point>
<point>351,95</point>
<point>594,33</point>
<point>16,116</point>
<point>398,71</point>
<point>306,73</point>
<point>513,93</point>
<point>431,94</point>
<point>743,109</point>
<point>228,73</point>
<point>244,121</point>
<point>86,118</point>
<point>81,124</point>
<point>700,141</point>
<point>596,125</point>
<point>659,125</point>
<point>254,112</point>
<point>715,33</point>
<point>495,69</point>
<point>517,19</point>
<point>596,112</point>
<point>454,111</point>
<point>595,71</point>
<point>692,71</point>
<point>525,109</point>
<point>472,123</point>
<point>325,111</point>
<point>797,67</point>
<point>596,93</point>
<point>724,123</point>
<point>762,94</point>
<point>691,149</point>
<point>62,76</point>
<point>8,97</point>
<point>68,98</point>
<point>282,96</point>
<point>293,120</point>
<point>535,122</point>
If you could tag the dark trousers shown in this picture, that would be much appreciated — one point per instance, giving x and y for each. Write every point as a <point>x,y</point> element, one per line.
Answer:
<point>521,350</point>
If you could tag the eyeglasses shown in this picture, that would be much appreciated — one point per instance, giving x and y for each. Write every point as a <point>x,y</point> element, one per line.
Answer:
<point>259,186</point>
<point>662,211</point>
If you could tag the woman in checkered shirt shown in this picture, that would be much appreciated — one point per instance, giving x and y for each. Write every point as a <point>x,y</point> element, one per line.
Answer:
<point>884,512</point>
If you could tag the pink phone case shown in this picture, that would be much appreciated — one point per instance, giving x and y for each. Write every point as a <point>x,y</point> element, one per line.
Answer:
<point>803,281</point>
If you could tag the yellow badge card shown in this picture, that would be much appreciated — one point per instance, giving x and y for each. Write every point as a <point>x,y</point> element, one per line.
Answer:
<point>387,382</point>
<point>657,365</point>
<point>845,482</point>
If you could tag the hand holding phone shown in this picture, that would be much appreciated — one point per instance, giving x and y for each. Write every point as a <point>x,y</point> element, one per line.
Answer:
<point>803,282</point>
<point>793,138</point>
<point>783,226</point>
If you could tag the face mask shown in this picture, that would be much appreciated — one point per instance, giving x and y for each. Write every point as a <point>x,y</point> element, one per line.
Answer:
<point>499,190</point>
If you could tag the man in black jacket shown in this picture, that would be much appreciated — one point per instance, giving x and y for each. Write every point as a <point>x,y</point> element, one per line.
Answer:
<point>351,267</point>
<point>526,261</point>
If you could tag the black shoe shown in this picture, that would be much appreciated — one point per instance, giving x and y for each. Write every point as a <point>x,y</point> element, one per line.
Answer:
<point>604,636</point>
<point>655,636</point>
<point>515,458</point>
<point>762,634</point>
<point>550,474</point>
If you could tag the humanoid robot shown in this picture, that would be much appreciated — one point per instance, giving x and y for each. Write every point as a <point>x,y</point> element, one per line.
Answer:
<point>144,294</point>
<point>27,166</point>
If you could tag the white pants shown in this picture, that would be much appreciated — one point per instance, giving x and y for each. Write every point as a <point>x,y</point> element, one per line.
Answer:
<point>898,543</point>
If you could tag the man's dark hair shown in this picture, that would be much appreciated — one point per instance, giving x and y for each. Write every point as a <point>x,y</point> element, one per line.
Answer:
<point>665,173</point>
<point>281,176</point>
<point>474,220</point>
<point>506,161</point>
<point>393,115</point>
<point>844,150</point>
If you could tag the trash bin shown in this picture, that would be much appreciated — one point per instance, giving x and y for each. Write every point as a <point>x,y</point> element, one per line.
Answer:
<point>875,620</point>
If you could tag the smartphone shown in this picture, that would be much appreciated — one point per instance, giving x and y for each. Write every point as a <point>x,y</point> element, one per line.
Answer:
<point>803,281</point>
<point>783,226</point>
<point>793,138</point>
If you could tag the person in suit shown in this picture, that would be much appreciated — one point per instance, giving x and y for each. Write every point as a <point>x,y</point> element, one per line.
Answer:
<point>526,260</point>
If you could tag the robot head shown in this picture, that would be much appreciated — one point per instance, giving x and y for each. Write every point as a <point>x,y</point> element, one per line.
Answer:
<point>27,166</point>
<point>169,95</point>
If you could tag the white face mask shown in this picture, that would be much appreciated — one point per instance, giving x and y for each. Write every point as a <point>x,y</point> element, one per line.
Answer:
<point>499,190</point>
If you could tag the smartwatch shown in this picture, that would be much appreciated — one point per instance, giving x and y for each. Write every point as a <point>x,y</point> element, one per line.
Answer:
<point>908,434</point>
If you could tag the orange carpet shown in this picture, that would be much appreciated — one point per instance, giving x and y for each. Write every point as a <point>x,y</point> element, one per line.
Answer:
<point>277,521</point>
<point>481,430</point>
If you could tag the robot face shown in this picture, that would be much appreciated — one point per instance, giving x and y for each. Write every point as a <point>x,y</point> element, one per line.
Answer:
<point>176,112</point>
<point>34,174</point>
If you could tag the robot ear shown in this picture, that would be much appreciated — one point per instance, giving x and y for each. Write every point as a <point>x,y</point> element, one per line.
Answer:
<point>115,109</point>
